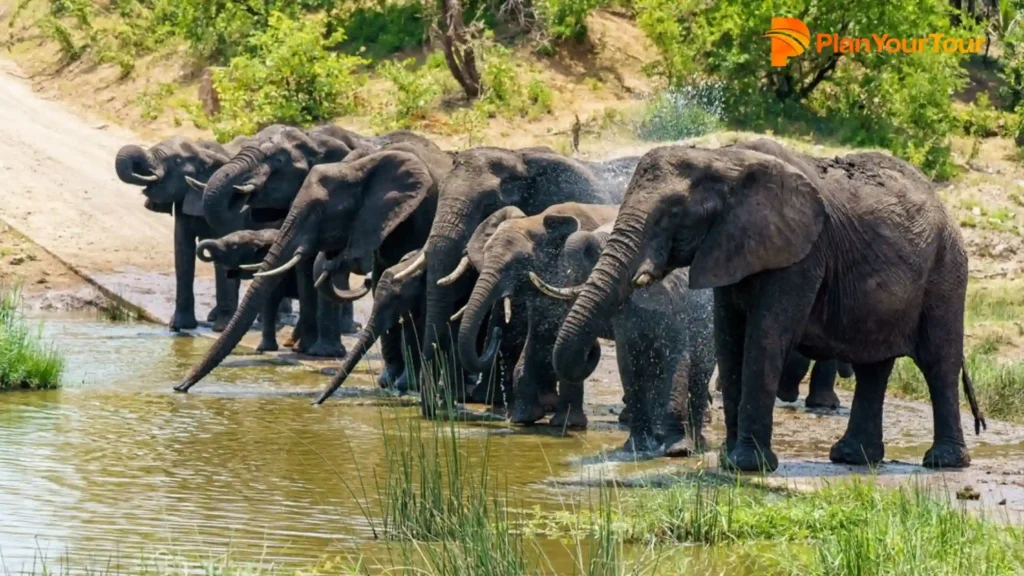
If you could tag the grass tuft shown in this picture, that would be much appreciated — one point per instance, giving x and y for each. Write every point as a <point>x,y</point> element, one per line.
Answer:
<point>25,361</point>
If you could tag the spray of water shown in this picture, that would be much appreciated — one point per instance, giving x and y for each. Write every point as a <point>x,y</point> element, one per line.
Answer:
<point>686,111</point>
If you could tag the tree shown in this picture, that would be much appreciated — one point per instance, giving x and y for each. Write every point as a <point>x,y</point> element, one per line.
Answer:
<point>458,51</point>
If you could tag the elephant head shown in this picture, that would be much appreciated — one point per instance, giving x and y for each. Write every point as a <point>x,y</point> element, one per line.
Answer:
<point>238,249</point>
<point>394,298</point>
<point>267,173</point>
<point>483,181</point>
<point>163,168</point>
<point>350,209</point>
<point>329,271</point>
<point>505,249</point>
<point>727,214</point>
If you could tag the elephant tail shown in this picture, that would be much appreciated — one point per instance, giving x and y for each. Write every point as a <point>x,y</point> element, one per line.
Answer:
<point>979,418</point>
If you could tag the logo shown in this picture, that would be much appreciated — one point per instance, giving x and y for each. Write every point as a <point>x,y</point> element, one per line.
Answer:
<point>790,37</point>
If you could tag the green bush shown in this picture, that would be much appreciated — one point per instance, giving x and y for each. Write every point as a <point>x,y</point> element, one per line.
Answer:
<point>897,101</point>
<point>565,19</point>
<point>416,90</point>
<point>288,75</point>
<point>681,113</point>
<point>386,27</point>
<point>25,361</point>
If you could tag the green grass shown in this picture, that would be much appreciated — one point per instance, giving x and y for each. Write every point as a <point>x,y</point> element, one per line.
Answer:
<point>25,361</point>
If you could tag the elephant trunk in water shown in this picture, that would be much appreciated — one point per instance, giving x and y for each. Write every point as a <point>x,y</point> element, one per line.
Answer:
<point>485,295</point>
<point>222,200</point>
<point>134,165</point>
<point>285,253</point>
<point>603,292</point>
<point>366,339</point>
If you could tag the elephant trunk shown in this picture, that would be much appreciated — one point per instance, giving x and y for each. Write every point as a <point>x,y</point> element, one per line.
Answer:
<point>209,251</point>
<point>367,337</point>
<point>443,256</point>
<point>605,290</point>
<point>134,165</point>
<point>485,295</point>
<point>221,204</point>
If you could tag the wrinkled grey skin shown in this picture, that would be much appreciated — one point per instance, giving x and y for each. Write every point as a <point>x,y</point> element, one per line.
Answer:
<point>161,170</point>
<point>483,181</point>
<point>822,392</point>
<point>663,344</point>
<point>504,249</point>
<point>379,205</point>
<point>853,258</point>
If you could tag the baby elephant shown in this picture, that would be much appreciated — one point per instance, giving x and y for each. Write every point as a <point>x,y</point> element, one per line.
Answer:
<point>823,379</point>
<point>663,340</point>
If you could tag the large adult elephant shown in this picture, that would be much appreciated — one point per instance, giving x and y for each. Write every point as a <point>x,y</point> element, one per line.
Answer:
<point>504,254</point>
<point>381,204</point>
<point>161,170</point>
<point>484,181</point>
<point>859,262</point>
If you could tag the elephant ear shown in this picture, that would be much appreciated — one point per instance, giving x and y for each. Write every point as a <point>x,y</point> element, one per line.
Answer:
<point>557,179</point>
<point>773,215</point>
<point>558,227</point>
<point>208,159</point>
<point>392,186</point>
<point>484,232</point>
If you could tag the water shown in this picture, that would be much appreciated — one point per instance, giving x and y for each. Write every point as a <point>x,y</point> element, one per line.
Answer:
<point>117,465</point>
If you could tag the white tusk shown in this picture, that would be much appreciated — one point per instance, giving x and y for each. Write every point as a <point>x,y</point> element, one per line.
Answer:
<point>644,279</point>
<point>250,267</point>
<point>281,269</point>
<point>173,210</point>
<point>323,278</point>
<point>508,310</point>
<point>458,314</point>
<point>407,256</point>
<point>450,279</point>
<point>557,293</point>
<point>413,268</point>
<point>245,189</point>
<point>149,179</point>
<point>195,184</point>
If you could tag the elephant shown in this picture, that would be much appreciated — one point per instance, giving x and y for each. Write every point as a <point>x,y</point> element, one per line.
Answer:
<point>484,181</point>
<point>162,170</point>
<point>379,205</point>
<point>852,258</point>
<point>823,378</point>
<point>663,336</point>
<point>245,247</point>
<point>504,249</point>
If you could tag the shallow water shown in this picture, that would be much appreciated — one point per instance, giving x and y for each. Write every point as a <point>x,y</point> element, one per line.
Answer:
<point>117,464</point>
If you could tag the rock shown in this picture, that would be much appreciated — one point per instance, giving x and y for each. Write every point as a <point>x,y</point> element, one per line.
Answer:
<point>208,94</point>
<point>968,493</point>
<point>1002,502</point>
<point>18,260</point>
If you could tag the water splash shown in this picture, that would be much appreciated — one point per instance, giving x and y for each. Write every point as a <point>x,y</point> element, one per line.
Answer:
<point>683,112</point>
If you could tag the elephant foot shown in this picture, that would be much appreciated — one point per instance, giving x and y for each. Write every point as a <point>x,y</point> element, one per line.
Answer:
<point>527,414</point>
<point>386,379</point>
<point>826,399</point>
<point>947,455</point>
<point>845,370</point>
<point>212,316</point>
<point>850,450</point>
<point>788,393</point>
<point>640,444</point>
<point>549,401</point>
<point>686,446</point>
<point>183,321</point>
<point>221,323</point>
<point>626,415</point>
<point>326,350</point>
<point>402,384</point>
<point>267,345</point>
<point>749,458</point>
<point>483,393</point>
<point>571,419</point>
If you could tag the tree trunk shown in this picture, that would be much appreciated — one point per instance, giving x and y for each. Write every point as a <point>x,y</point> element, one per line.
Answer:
<point>457,50</point>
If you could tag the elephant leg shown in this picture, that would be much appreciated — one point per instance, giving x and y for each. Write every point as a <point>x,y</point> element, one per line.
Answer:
<point>823,384</point>
<point>862,442</point>
<point>534,375</point>
<point>268,328</point>
<point>793,373</point>
<point>844,369</point>
<point>641,426</point>
<point>328,322</point>
<point>730,326</point>
<point>227,299</point>
<point>570,414</point>
<point>671,407</point>
<point>698,401</point>
<point>940,357</point>
<point>184,272</point>
<point>392,353</point>
<point>306,327</point>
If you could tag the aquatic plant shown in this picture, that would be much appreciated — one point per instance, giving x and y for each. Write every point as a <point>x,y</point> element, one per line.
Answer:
<point>26,362</point>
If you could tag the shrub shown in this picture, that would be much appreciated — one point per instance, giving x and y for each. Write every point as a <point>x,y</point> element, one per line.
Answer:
<point>386,27</point>
<point>896,101</point>
<point>25,362</point>
<point>681,113</point>
<point>565,19</point>
<point>290,77</point>
<point>416,90</point>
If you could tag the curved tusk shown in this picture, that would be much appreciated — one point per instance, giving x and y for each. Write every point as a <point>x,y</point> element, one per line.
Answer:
<point>645,279</point>
<point>142,178</point>
<point>557,293</point>
<point>450,279</point>
<point>195,184</point>
<point>250,267</point>
<point>352,295</point>
<point>508,309</point>
<point>418,264</point>
<point>280,269</point>
<point>458,314</point>
<point>407,256</point>
<point>245,189</point>
<point>323,278</point>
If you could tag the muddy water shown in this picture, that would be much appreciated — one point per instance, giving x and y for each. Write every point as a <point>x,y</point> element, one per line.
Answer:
<point>116,463</point>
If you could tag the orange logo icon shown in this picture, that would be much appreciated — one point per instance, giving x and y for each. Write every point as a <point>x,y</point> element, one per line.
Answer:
<point>790,37</point>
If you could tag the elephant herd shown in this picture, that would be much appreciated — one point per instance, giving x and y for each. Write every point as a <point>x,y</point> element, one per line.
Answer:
<point>497,271</point>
